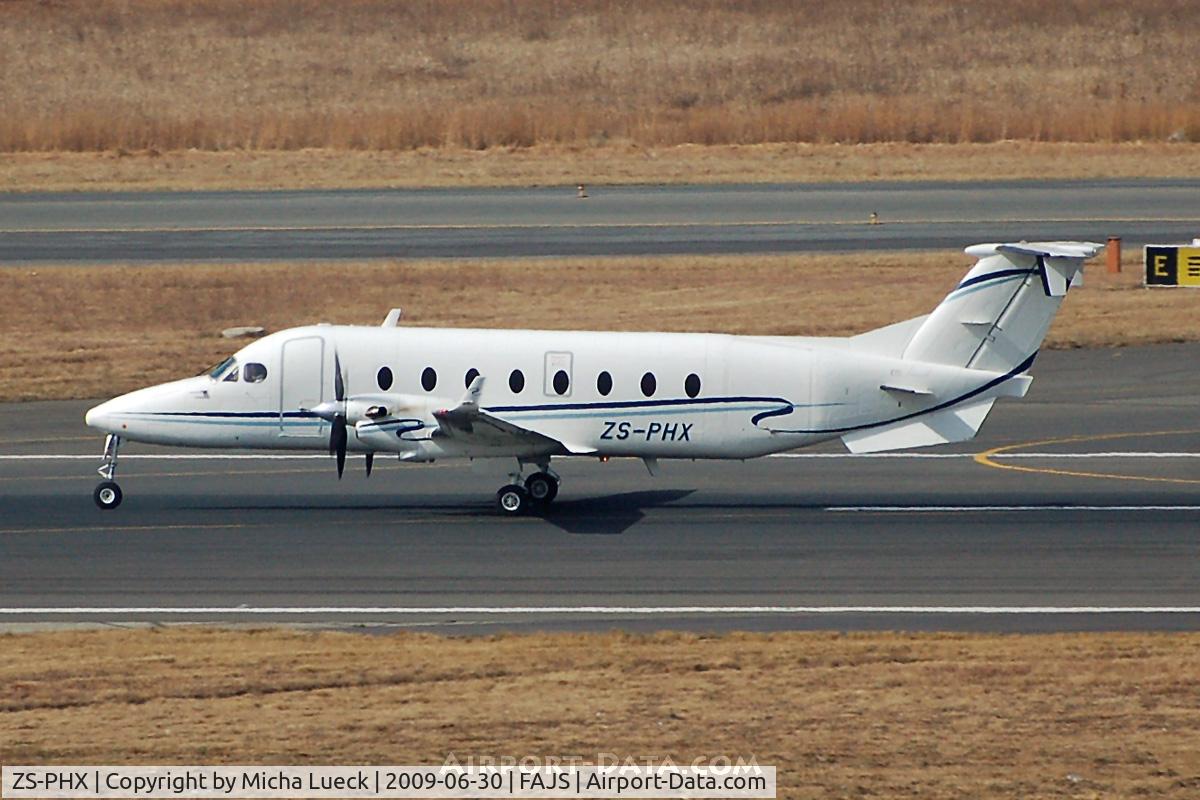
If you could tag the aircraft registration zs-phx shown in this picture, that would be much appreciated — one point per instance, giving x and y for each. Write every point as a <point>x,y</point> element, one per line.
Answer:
<point>428,393</point>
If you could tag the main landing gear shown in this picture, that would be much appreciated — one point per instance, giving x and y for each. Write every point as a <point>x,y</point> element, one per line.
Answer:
<point>537,491</point>
<point>108,493</point>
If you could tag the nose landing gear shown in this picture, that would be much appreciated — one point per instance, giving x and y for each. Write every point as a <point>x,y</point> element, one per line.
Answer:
<point>538,491</point>
<point>108,494</point>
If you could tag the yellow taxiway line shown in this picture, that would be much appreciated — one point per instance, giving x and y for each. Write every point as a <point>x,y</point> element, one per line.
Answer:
<point>986,458</point>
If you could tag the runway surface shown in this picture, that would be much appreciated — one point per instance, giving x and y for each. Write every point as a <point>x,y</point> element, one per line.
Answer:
<point>1027,538</point>
<point>627,220</point>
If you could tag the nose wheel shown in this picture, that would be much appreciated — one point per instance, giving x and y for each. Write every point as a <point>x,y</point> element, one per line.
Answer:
<point>108,494</point>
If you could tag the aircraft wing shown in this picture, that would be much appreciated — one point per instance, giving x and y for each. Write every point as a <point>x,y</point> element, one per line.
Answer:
<point>468,422</point>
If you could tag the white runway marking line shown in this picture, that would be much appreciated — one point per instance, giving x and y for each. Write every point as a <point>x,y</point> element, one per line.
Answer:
<point>973,509</point>
<point>565,225</point>
<point>849,456</point>
<point>604,610</point>
<point>1110,454</point>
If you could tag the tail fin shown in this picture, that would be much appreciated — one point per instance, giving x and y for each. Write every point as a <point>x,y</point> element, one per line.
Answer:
<point>996,318</point>
<point>974,347</point>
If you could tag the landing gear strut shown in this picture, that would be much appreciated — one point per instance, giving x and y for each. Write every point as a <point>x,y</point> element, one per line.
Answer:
<point>108,493</point>
<point>538,490</point>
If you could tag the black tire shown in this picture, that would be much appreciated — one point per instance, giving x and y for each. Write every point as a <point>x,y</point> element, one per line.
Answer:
<point>542,487</point>
<point>107,495</point>
<point>512,500</point>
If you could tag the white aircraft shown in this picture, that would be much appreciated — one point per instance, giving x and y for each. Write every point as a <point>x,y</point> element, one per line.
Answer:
<point>529,396</point>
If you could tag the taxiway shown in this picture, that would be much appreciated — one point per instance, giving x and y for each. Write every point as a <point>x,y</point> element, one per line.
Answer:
<point>1077,508</point>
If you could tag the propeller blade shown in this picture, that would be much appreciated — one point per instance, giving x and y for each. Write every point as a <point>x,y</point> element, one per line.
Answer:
<point>336,412</point>
<point>339,385</point>
<point>337,443</point>
<point>370,463</point>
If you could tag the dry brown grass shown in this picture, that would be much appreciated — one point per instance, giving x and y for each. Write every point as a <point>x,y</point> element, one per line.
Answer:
<point>75,332</point>
<point>922,715</point>
<point>611,164</point>
<point>91,75</point>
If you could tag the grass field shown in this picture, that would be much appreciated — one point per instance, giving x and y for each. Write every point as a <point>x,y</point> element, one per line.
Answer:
<point>558,165</point>
<point>80,332</point>
<point>98,75</point>
<point>860,715</point>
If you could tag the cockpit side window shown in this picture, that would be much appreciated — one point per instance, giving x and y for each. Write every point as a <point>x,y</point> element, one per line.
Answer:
<point>216,372</point>
<point>231,376</point>
<point>254,373</point>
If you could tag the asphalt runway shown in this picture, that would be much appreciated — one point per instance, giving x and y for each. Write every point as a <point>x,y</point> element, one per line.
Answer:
<point>1087,517</point>
<point>625,220</point>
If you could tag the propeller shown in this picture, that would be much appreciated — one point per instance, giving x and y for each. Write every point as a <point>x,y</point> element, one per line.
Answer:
<point>334,412</point>
<point>337,435</point>
<point>337,430</point>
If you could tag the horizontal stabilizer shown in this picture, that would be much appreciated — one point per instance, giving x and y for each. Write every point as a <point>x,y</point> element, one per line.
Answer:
<point>1048,249</point>
<point>950,425</point>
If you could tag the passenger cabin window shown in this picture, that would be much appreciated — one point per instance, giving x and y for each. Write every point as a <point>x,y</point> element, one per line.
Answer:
<point>384,378</point>
<point>428,379</point>
<point>692,385</point>
<point>254,373</point>
<point>604,383</point>
<point>516,381</point>
<point>649,384</point>
<point>469,378</point>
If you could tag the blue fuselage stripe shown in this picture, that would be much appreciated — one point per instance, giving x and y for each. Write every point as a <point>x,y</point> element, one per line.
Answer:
<point>1015,371</point>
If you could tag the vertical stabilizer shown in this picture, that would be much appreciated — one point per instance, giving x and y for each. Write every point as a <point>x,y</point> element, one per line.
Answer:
<point>997,316</point>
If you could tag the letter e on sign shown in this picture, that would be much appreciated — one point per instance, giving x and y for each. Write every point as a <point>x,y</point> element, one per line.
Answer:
<point>1161,265</point>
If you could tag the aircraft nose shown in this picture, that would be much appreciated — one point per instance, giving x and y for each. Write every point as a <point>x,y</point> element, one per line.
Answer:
<point>98,416</point>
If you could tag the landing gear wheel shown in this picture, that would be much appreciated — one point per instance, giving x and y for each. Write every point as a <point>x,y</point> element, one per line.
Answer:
<point>542,487</point>
<point>107,495</point>
<point>512,500</point>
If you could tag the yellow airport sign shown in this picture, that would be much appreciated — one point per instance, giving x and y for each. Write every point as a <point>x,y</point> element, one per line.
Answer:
<point>1188,261</point>
<point>1172,264</point>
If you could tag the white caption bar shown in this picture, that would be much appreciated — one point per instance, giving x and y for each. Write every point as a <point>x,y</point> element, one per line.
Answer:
<point>569,781</point>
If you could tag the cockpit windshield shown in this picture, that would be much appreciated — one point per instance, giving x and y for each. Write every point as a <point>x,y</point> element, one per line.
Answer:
<point>216,372</point>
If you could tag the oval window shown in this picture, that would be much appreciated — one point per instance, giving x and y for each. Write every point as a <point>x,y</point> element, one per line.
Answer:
<point>516,381</point>
<point>428,379</point>
<point>254,373</point>
<point>561,382</point>
<point>649,384</point>
<point>470,377</point>
<point>604,383</point>
<point>384,378</point>
<point>692,385</point>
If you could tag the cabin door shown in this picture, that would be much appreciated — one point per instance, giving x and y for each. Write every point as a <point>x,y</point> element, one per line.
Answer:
<point>302,385</point>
